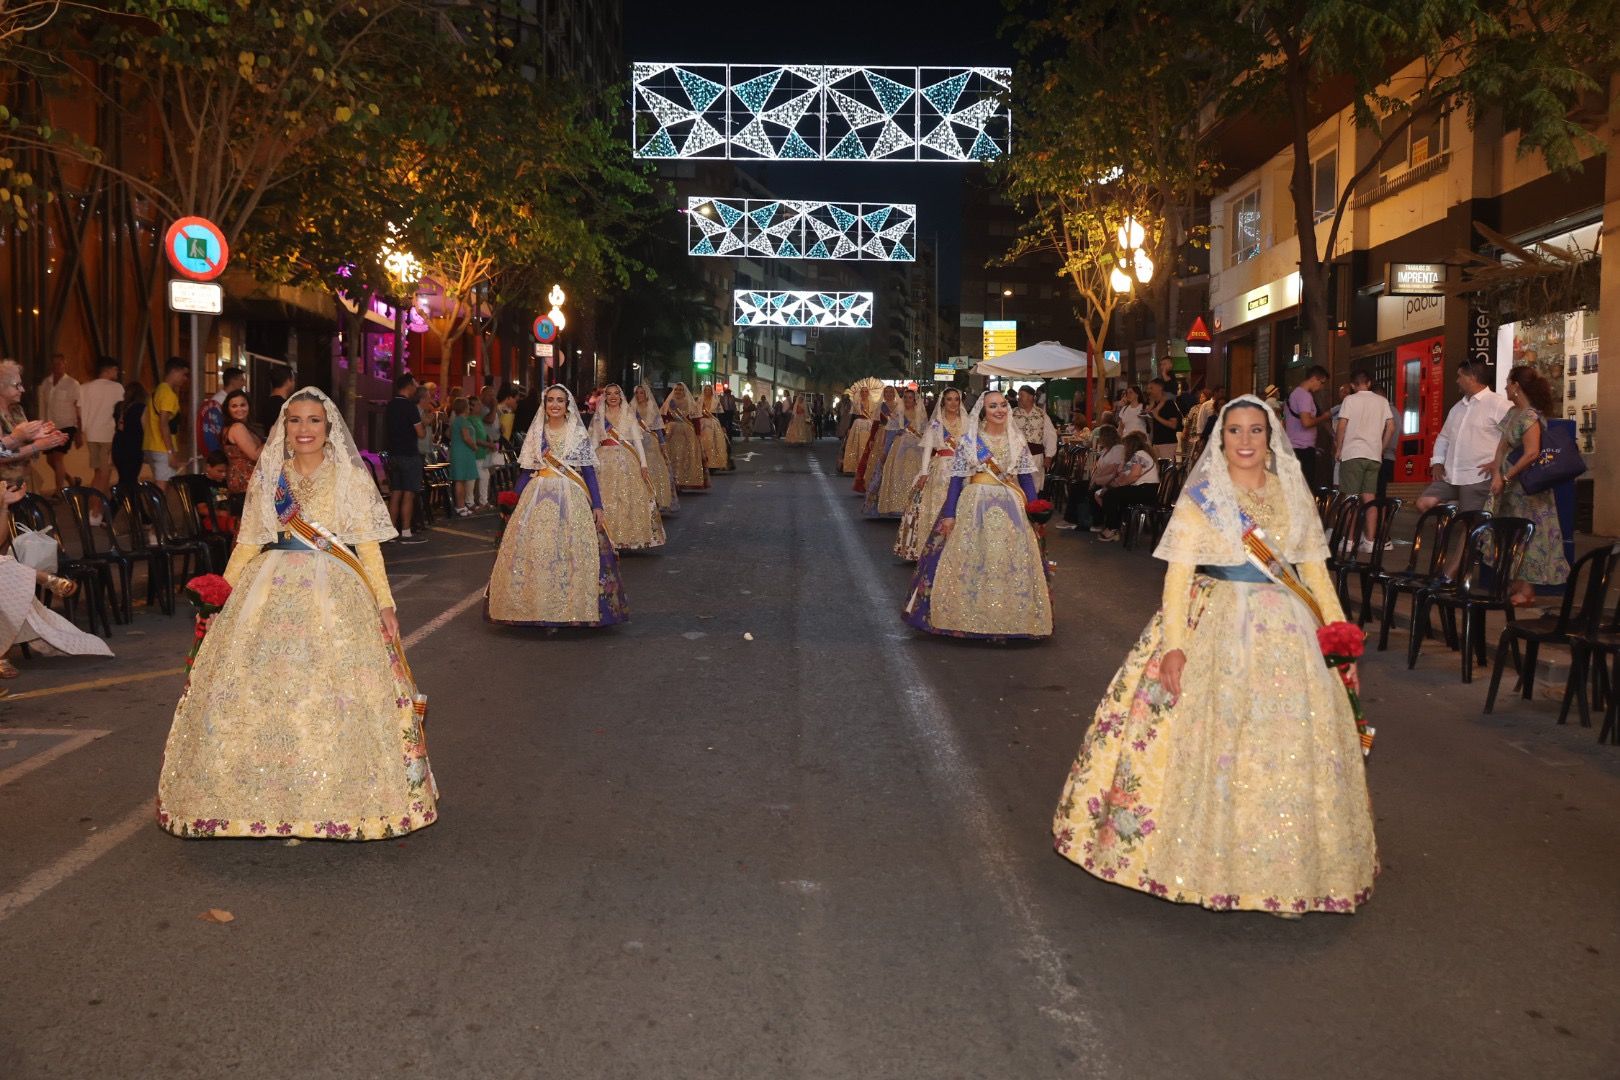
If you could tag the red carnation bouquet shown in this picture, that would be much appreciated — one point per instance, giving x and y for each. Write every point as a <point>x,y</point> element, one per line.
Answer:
<point>1039,511</point>
<point>506,502</point>
<point>207,593</point>
<point>1343,644</point>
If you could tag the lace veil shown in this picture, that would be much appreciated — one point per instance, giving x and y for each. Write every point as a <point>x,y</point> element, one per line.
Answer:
<point>624,423</point>
<point>648,411</point>
<point>1215,537</point>
<point>967,461</point>
<point>935,430</point>
<point>362,516</point>
<point>573,449</point>
<point>679,401</point>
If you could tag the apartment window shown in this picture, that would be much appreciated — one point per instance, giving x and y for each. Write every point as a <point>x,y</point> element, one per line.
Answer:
<point>1246,227</point>
<point>1325,185</point>
<point>1428,136</point>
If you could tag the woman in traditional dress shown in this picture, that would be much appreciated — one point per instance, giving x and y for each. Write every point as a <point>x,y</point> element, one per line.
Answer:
<point>764,423</point>
<point>885,429</point>
<point>1522,429</point>
<point>1223,766</point>
<point>716,444</point>
<point>800,432</point>
<point>936,458</point>
<point>556,565</point>
<point>891,494</point>
<point>860,428</point>
<point>982,574</point>
<point>685,449</point>
<point>629,505</point>
<point>659,470</point>
<point>299,718</point>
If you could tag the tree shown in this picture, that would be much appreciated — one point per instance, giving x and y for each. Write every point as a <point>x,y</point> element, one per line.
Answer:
<point>1532,61</point>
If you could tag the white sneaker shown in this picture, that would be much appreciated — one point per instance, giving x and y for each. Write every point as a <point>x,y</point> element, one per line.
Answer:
<point>96,522</point>
<point>1365,547</point>
<point>404,534</point>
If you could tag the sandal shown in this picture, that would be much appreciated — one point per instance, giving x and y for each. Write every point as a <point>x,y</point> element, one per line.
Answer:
<point>60,587</point>
<point>7,669</point>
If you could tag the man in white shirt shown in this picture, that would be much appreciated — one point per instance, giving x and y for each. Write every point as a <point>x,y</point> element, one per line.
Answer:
<point>1363,427</point>
<point>1460,465</point>
<point>1037,430</point>
<point>59,403</point>
<point>98,415</point>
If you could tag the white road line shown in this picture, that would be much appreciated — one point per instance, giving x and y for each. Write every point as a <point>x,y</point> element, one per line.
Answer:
<point>963,789</point>
<point>75,738</point>
<point>94,847</point>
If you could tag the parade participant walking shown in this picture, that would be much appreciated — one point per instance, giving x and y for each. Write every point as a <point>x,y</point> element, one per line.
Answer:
<point>660,470</point>
<point>763,423</point>
<point>629,504</point>
<point>942,437</point>
<point>1223,766</point>
<point>684,445</point>
<point>1522,429</point>
<point>800,432</point>
<point>889,496</point>
<point>299,716</point>
<point>1038,431</point>
<point>885,429</point>
<point>711,429</point>
<point>860,426</point>
<point>556,565</point>
<point>982,574</point>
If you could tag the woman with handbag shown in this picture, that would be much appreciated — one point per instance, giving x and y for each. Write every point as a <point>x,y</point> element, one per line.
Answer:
<point>300,717</point>
<point>1524,430</point>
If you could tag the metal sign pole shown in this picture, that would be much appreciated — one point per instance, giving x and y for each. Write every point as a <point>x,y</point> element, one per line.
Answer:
<point>196,396</point>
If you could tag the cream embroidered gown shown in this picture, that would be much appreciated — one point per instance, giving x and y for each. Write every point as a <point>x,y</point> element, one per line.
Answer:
<point>629,506</point>
<point>296,720</point>
<point>1249,793</point>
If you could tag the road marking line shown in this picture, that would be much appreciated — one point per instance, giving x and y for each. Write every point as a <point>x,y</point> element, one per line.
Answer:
<point>94,847</point>
<point>76,737</point>
<point>96,684</point>
<point>458,532</point>
<point>435,558</point>
<point>953,771</point>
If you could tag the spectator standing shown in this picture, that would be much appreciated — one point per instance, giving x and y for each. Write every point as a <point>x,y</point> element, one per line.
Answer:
<point>1386,471</point>
<point>243,443</point>
<point>1460,467</point>
<point>282,382</point>
<point>463,454</point>
<point>98,417</point>
<point>402,422</point>
<point>1364,427</point>
<point>1165,417</point>
<point>211,417</point>
<point>162,422</point>
<point>728,411</point>
<point>1031,424</point>
<point>505,414</point>
<point>1130,414</point>
<point>1522,430</point>
<point>1300,418</point>
<point>59,403</point>
<point>129,439</point>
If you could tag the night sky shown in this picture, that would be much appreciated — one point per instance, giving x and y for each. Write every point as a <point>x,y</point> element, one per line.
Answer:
<point>875,32</point>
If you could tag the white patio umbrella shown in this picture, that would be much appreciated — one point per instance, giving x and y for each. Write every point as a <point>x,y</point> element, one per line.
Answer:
<point>1045,360</point>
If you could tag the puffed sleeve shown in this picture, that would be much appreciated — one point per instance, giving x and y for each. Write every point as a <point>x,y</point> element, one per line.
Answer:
<point>952,494</point>
<point>588,474</point>
<point>1176,603</point>
<point>241,555</point>
<point>1320,582</point>
<point>370,555</point>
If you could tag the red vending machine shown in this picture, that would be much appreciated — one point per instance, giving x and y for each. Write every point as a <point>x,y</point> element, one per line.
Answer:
<point>1420,381</point>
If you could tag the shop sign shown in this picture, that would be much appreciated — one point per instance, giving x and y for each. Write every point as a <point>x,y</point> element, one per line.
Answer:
<point>945,372</point>
<point>1268,299</point>
<point>1198,338</point>
<point>1399,316</point>
<point>1414,279</point>
<point>1481,335</point>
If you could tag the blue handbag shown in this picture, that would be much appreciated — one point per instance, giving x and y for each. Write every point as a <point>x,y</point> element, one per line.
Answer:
<point>1559,460</point>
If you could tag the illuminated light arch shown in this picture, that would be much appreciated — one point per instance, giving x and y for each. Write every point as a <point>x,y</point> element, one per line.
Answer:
<point>820,113</point>
<point>826,310</point>
<point>799,229</point>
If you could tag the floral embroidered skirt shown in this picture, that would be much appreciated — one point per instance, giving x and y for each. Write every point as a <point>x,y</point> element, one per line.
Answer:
<point>922,510</point>
<point>860,431</point>
<point>716,445</point>
<point>296,720</point>
<point>800,432</point>
<point>554,566</point>
<point>662,475</point>
<point>628,504</point>
<point>890,496</point>
<point>1250,792</point>
<point>685,456</point>
<point>987,580</point>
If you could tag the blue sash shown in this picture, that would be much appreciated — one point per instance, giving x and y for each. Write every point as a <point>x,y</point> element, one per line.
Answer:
<point>1246,572</point>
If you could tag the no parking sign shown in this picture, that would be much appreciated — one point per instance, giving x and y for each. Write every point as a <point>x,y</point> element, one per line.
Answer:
<point>196,249</point>
<point>545,331</point>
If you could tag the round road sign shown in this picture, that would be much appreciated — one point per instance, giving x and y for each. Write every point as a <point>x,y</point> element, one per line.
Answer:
<point>545,331</point>
<point>196,249</point>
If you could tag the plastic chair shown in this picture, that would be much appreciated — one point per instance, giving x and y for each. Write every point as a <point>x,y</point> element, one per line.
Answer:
<point>1448,552</point>
<point>94,582</point>
<point>1421,560</point>
<point>1578,616</point>
<point>99,543</point>
<point>1386,509</point>
<point>171,545</point>
<point>1491,557</point>
<point>1602,646</point>
<point>196,522</point>
<point>1140,516</point>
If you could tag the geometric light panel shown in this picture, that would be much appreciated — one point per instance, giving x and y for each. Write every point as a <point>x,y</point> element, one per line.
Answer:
<point>791,308</point>
<point>795,229</point>
<point>820,112</point>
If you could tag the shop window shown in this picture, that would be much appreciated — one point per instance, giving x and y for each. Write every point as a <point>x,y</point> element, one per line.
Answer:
<point>1427,137</point>
<point>1246,227</point>
<point>1325,185</point>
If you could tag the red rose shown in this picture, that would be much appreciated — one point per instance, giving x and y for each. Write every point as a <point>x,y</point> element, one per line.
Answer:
<point>1039,506</point>
<point>208,590</point>
<point>1341,639</point>
<point>506,499</point>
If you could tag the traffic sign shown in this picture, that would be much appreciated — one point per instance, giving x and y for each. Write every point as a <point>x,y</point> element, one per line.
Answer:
<point>545,331</point>
<point>195,297</point>
<point>545,350</point>
<point>196,249</point>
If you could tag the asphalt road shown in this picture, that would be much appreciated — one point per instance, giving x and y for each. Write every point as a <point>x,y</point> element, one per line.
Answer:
<point>670,850</point>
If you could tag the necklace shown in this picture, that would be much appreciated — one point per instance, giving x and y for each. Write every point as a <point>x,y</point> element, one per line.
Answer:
<point>1259,504</point>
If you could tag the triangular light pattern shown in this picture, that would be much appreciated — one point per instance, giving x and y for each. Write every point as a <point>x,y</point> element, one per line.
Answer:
<point>943,96</point>
<point>890,94</point>
<point>756,91</point>
<point>841,230</point>
<point>700,92</point>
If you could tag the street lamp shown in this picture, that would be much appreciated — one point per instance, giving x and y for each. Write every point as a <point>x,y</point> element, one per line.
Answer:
<point>405,271</point>
<point>559,320</point>
<point>1004,294</point>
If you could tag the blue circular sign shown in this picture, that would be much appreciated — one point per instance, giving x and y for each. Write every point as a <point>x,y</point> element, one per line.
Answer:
<point>545,331</point>
<point>196,248</point>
